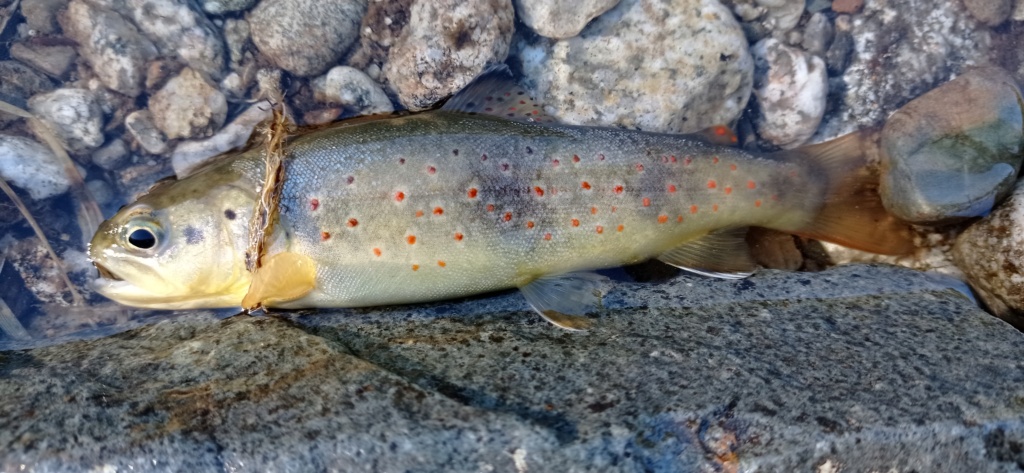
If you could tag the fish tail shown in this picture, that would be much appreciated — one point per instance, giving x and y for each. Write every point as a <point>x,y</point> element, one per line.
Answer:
<point>853,214</point>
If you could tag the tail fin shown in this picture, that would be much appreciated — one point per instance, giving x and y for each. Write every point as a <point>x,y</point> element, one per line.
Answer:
<point>853,214</point>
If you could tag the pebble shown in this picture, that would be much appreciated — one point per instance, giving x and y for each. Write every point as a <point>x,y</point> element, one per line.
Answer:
<point>19,82</point>
<point>847,6</point>
<point>112,46</point>
<point>560,18</point>
<point>444,46</point>
<point>55,60</point>
<point>188,106</point>
<point>32,167</point>
<point>190,154</point>
<point>112,155</point>
<point>306,37</point>
<point>695,73</point>
<point>782,15</point>
<point>100,191</point>
<point>353,89</point>
<point>220,7</point>
<point>790,86</point>
<point>990,12</point>
<point>954,152</point>
<point>41,15</point>
<point>141,126</point>
<point>1018,11</point>
<point>178,29</point>
<point>236,36</point>
<point>73,115</point>
<point>818,34</point>
<point>991,254</point>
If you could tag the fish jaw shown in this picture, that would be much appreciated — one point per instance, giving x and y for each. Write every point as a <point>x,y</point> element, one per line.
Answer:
<point>126,293</point>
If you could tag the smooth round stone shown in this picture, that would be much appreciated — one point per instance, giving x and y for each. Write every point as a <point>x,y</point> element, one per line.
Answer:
<point>560,18</point>
<point>32,167</point>
<point>353,89</point>
<point>188,107</point>
<point>306,37</point>
<point>73,115</point>
<point>954,152</point>
<point>791,87</point>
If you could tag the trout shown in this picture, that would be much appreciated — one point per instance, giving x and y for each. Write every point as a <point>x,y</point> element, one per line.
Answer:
<point>446,204</point>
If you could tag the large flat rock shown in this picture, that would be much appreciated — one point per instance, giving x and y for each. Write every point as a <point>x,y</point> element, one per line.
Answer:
<point>854,369</point>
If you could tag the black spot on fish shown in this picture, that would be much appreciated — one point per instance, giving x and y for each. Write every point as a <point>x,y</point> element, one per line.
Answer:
<point>455,152</point>
<point>529,150</point>
<point>193,235</point>
<point>230,214</point>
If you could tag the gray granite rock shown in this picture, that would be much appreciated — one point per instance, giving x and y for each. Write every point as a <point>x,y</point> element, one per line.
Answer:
<point>179,29</point>
<point>41,15</point>
<point>32,167</point>
<point>141,126</point>
<point>444,46</point>
<point>954,152</point>
<point>18,82</point>
<point>306,37</point>
<point>818,34</point>
<point>188,106</point>
<point>220,7</point>
<point>112,155</point>
<point>695,72</point>
<point>55,60</point>
<point>353,89</point>
<point>73,116</point>
<point>790,86</point>
<point>112,45</point>
<point>867,368</point>
<point>560,18</point>
<point>990,12</point>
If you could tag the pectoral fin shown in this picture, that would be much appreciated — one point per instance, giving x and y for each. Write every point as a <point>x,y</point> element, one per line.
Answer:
<point>563,299</point>
<point>283,277</point>
<point>720,254</point>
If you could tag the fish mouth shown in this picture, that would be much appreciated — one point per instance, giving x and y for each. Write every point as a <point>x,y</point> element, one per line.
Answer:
<point>106,273</point>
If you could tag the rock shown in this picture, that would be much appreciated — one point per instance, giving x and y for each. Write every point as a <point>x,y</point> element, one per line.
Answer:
<point>780,372</point>
<point>306,37</point>
<point>818,34</point>
<point>73,115</point>
<point>190,154</point>
<point>112,46</point>
<point>236,35</point>
<point>990,12</point>
<point>991,254</point>
<point>444,46</point>
<point>790,86</point>
<point>954,152</point>
<point>220,7</point>
<point>32,167</point>
<point>188,107</point>
<point>158,72</point>
<point>773,249</point>
<point>353,89</point>
<point>381,27</point>
<point>100,191</point>
<point>112,156</point>
<point>141,126</point>
<point>178,29</point>
<point>782,15</point>
<point>18,82</point>
<point>694,73</point>
<point>560,18</point>
<point>41,15</point>
<point>55,60</point>
<point>847,6</point>
<point>1018,11</point>
<point>900,50</point>
<point>838,56</point>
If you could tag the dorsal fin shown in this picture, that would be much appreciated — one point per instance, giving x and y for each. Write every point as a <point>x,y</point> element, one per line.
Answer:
<point>496,93</point>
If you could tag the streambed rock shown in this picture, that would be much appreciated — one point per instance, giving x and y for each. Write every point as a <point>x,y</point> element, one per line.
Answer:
<point>305,37</point>
<point>871,368</point>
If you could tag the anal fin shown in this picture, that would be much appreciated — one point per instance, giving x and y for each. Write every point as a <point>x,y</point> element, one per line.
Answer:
<point>720,254</point>
<point>564,299</point>
<point>283,277</point>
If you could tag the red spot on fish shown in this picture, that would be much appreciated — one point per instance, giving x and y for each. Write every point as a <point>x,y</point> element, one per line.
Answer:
<point>575,158</point>
<point>732,167</point>
<point>673,159</point>
<point>775,197</point>
<point>522,102</point>
<point>441,264</point>
<point>401,160</point>
<point>537,190</point>
<point>314,204</point>
<point>411,239</point>
<point>399,196</point>
<point>585,185</point>
<point>757,203</point>
<point>471,193</point>
<point>679,218</point>
<point>614,208</point>
<point>431,170</point>
<point>720,130</point>
<point>671,188</point>
<point>687,160</point>
<point>618,189</point>
<point>350,179</point>
<point>575,222</point>
<point>600,157</point>
<point>714,208</point>
<point>714,160</point>
<point>415,267</point>
<point>639,168</point>
<point>508,216</point>
<point>728,190</point>
<point>505,167</point>
<point>529,224</point>
<point>555,162</point>
<point>693,209</point>
<point>490,207</point>
<point>511,109</point>
<point>458,236</point>
<point>600,229</point>
<point>324,236</point>
<point>712,184</point>
<point>376,252</point>
<point>419,213</point>
<point>751,185</point>
<point>620,228</point>
<point>547,236</point>
<point>647,201</point>
<point>438,211</point>
<point>593,211</point>
<point>662,218</point>
<point>352,222</point>
<point>483,157</point>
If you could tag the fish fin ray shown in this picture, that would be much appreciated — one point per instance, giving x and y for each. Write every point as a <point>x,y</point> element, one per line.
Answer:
<point>853,214</point>
<point>719,254</point>
<point>496,93</point>
<point>283,277</point>
<point>563,299</point>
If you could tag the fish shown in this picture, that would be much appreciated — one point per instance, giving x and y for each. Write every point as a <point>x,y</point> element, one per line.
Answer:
<point>484,194</point>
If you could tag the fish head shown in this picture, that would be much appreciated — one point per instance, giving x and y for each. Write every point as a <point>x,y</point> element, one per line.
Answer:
<point>180,246</point>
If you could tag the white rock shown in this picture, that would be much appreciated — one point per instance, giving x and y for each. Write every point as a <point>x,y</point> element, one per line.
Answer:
<point>110,44</point>
<point>306,37</point>
<point>1018,11</point>
<point>190,154</point>
<point>791,87</point>
<point>560,18</point>
<point>177,28</point>
<point>141,126</point>
<point>782,15</point>
<point>73,115</point>
<point>32,167</point>
<point>674,66</point>
<point>351,88</point>
<point>445,45</point>
<point>188,107</point>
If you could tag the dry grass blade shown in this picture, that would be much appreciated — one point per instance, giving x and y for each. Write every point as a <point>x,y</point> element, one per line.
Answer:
<point>75,296</point>
<point>261,226</point>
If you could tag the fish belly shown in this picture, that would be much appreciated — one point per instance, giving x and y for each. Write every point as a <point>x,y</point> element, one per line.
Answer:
<point>438,205</point>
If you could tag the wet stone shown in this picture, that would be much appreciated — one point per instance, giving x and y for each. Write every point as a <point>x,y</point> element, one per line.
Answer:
<point>55,60</point>
<point>32,167</point>
<point>73,115</point>
<point>112,155</point>
<point>990,12</point>
<point>779,372</point>
<point>791,87</point>
<point>954,152</point>
<point>351,88</point>
<point>190,154</point>
<point>220,7</point>
<point>41,15</point>
<point>141,126</point>
<point>818,34</point>
<point>178,29</point>
<point>18,82</point>
<point>188,107</point>
<point>560,18</point>
<point>306,37</point>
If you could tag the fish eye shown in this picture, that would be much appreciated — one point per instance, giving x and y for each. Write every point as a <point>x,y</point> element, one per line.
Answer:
<point>142,234</point>
<point>142,238</point>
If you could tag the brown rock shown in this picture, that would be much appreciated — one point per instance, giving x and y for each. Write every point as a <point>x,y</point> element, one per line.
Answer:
<point>847,6</point>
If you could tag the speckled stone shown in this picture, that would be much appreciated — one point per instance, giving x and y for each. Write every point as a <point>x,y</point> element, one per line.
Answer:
<point>32,167</point>
<point>560,18</point>
<point>188,107</point>
<point>179,29</point>
<point>694,72</point>
<point>305,37</point>
<point>112,46</point>
<point>352,89</point>
<point>871,368</point>
<point>790,86</point>
<point>73,115</point>
<point>990,12</point>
